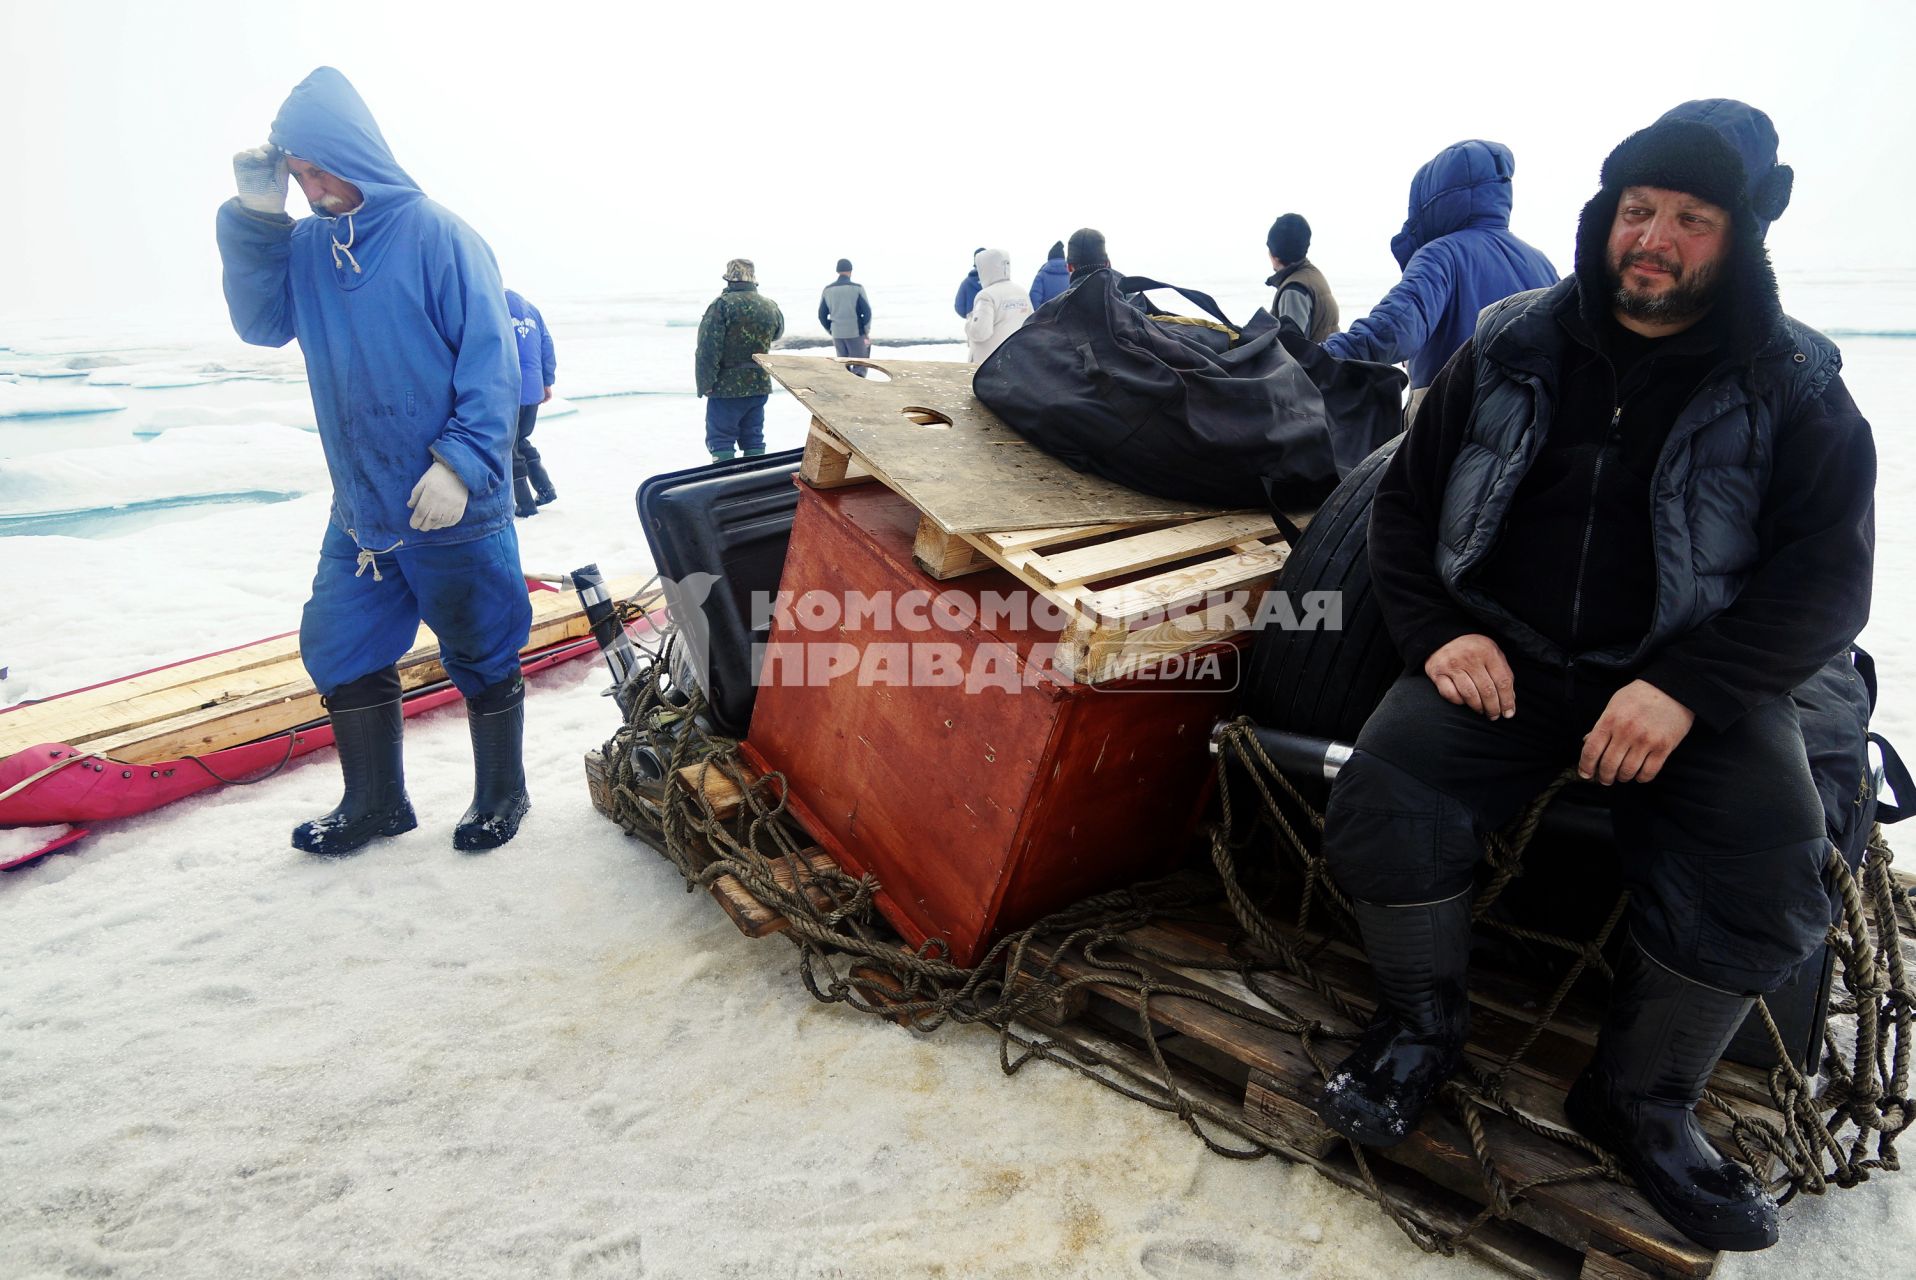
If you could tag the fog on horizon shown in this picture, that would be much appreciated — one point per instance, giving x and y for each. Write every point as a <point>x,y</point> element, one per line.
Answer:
<point>606,149</point>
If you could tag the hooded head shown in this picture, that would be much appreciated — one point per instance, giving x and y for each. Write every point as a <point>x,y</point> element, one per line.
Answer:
<point>1057,250</point>
<point>325,122</point>
<point>1467,184</point>
<point>994,265</point>
<point>1717,150</point>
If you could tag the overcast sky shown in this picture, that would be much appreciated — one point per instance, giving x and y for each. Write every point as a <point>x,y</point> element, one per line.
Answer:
<point>628,147</point>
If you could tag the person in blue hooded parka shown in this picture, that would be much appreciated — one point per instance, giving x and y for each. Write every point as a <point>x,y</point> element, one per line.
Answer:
<point>1458,257</point>
<point>414,371</point>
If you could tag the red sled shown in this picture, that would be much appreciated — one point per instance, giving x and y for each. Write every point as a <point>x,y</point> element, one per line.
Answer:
<point>238,715</point>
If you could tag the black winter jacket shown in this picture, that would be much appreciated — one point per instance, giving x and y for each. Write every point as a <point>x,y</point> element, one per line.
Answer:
<point>1703,519</point>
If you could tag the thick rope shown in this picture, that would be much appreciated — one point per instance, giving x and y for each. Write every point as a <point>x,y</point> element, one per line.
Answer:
<point>1833,1134</point>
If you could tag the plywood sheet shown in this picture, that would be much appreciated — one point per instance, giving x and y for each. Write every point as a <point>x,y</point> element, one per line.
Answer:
<point>973,476</point>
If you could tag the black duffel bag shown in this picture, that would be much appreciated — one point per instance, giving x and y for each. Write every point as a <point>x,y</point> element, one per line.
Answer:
<point>1187,411</point>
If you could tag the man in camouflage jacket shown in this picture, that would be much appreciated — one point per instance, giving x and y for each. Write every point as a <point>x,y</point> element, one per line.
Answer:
<point>740,323</point>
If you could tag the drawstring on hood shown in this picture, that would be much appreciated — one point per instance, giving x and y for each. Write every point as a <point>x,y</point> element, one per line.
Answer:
<point>325,122</point>
<point>352,233</point>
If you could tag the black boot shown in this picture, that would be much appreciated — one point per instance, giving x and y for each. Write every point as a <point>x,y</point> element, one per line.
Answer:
<point>541,482</point>
<point>368,726</point>
<point>523,502</point>
<point>1420,956</point>
<point>497,719</point>
<point>1637,1098</point>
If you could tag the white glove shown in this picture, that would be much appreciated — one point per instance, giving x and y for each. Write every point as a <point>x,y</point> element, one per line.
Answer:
<point>438,500</point>
<point>260,175</point>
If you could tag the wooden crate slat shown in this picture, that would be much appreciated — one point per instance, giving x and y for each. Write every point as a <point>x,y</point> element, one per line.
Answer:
<point>1148,550</point>
<point>1027,539</point>
<point>1130,602</point>
<point>1095,653</point>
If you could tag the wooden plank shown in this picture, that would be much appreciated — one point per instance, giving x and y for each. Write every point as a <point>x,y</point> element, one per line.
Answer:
<point>1095,652</point>
<point>1537,1082</point>
<point>1600,1263</point>
<point>1027,539</point>
<point>974,476</point>
<point>721,794</point>
<point>150,696</point>
<point>828,464</point>
<point>1276,1106</point>
<point>1511,1248</point>
<point>213,723</point>
<point>1505,1003</point>
<point>1143,551</point>
<point>756,919</point>
<point>1570,1212</point>
<point>598,783</point>
<point>945,555</point>
<point>1132,602</point>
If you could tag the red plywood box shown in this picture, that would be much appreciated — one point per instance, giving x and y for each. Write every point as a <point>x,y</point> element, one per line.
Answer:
<point>980,803</point>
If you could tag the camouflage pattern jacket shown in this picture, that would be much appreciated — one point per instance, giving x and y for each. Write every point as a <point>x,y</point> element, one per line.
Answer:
<point>740,323</point>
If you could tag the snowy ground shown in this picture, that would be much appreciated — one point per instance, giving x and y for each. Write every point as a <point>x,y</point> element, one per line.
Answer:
<point>221,1059</point>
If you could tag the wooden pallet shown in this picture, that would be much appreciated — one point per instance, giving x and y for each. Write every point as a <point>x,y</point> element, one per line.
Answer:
<point>1248,1076</point>
<point>1130,593</point>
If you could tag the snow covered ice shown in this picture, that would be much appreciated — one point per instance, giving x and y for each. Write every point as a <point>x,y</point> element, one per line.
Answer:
<point>221,1058</point>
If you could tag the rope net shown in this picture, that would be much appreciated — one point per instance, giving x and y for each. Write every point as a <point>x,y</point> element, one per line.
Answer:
<point>1832,1130</point>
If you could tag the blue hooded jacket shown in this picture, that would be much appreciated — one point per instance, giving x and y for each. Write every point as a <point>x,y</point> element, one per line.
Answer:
<point>537,364</point>
<point>401,316</point>
<point>1458,257</point>
<point>1052,279</point>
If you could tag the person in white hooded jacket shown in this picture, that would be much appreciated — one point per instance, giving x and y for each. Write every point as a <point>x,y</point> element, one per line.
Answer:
<point>1000,306</point>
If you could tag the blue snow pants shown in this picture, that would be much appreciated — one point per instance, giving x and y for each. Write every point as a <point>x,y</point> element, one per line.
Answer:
<point>363,619</point>
<point>734,420</point>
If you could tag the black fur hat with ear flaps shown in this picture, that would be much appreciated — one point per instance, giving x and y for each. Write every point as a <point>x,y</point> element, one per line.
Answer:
<point>1719,150</point>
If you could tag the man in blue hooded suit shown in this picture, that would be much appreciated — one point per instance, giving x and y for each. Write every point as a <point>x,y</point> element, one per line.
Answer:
<point>1457,255</point>
<point>399,310</point>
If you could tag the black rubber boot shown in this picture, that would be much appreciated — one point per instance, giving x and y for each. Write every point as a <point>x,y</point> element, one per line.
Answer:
<point>497,719</point>
<point>1637,1098</point>
<point>368,731</point>
<point>541,482</point>
<point>523,502</point>
<point>1420,956</point>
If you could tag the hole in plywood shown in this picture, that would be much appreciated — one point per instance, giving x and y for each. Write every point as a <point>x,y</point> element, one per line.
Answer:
<point>927,417</point>
<point>873,371</point>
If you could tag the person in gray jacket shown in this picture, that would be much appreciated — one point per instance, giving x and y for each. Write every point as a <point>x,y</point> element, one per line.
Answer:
<point>846,314</point>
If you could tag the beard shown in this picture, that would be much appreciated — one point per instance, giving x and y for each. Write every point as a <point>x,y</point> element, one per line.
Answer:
<point>1689,296</point>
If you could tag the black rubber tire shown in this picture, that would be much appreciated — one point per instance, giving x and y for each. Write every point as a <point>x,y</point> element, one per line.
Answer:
<point>1323,682</point>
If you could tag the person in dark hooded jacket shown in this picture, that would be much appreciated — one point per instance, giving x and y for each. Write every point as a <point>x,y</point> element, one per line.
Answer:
<point>1457,256</point>
<point>1639,504</point>
<point>414,370</point>
<point>1053,277</point>
<point>968,287</point>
